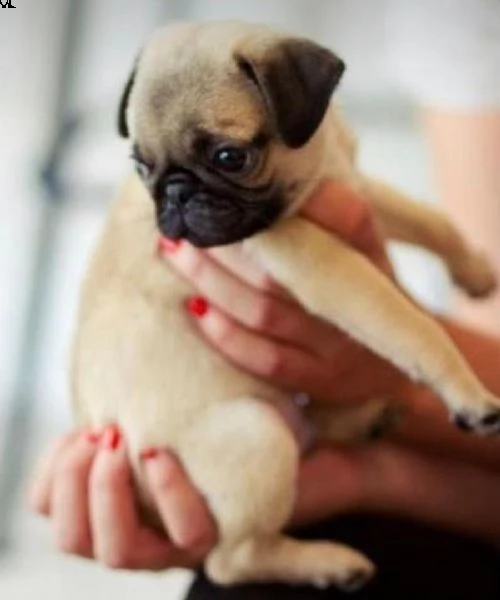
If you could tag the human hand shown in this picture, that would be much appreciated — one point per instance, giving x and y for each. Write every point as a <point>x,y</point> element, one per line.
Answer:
<point>84,484</point>
<point>392,479</point>
<point>257,326</point>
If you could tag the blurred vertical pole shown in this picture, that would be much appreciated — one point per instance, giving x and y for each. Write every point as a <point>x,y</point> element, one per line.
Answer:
<point>21,407</point>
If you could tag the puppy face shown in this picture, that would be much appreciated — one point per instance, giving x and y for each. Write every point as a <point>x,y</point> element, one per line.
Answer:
<point>221,117</point>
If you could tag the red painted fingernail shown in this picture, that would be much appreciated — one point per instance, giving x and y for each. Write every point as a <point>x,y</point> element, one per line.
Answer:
<point>150,454</point>
<point>111,439</point>
<point>198,307</point>
<point>168,246</point>
<point>92,438</point>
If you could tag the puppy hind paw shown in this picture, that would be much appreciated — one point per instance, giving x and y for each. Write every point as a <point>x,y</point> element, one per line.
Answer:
<point>355,581</point>
<point>475,276</point>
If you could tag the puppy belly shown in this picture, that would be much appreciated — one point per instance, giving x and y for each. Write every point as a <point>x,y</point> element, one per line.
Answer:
<point>291,412</point>
<point>140,364</point>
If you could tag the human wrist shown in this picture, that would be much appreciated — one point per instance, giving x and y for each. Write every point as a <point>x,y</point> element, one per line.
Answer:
<point>373,463</point>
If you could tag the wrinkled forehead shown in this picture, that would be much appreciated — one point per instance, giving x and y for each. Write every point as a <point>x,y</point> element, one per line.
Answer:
<point>180,89</point>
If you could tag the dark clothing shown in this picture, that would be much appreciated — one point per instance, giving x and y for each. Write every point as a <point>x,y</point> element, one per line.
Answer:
<point>414,562</point>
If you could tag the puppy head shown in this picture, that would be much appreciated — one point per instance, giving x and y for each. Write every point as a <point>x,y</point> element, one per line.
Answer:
<point>222,119</point>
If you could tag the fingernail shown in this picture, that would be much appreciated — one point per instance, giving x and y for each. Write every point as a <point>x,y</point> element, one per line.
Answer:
<point>150,454</point>
<point>92,437</point>
<point>111,439</point>
<point>168,246</point>
<point>198,307</point>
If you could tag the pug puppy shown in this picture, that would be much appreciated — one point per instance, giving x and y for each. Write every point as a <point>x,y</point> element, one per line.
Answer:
<point>232,128</point>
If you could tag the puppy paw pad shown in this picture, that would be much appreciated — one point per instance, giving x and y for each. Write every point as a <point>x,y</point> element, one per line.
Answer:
<point>355,581</point>
<point>492,419</point>
<point>321,583</point>
<point>463,423</point>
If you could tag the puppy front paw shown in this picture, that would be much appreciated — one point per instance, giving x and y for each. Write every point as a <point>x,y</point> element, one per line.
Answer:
<point>483,419</point>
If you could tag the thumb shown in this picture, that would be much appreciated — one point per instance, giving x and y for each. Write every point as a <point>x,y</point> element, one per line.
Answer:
<point>340,209</point>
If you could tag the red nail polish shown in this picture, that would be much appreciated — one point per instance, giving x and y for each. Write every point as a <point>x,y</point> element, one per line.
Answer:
<point>198,307</point>
<point>150,454</point>
<point>168,246</point>
<point>111,439</point>
<point>92,438</point>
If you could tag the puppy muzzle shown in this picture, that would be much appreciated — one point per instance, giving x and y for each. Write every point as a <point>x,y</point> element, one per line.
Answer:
<point>188,209</point>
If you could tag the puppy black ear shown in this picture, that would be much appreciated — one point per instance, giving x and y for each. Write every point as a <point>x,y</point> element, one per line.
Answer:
<point>122,110</point>
<point>296,78</point>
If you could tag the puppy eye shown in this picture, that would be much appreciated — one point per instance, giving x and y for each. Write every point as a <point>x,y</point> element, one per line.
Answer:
<point>142,169</point>
<point>234,160</point>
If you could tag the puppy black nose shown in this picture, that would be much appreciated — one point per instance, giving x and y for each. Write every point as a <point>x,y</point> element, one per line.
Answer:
<point>180,187</point>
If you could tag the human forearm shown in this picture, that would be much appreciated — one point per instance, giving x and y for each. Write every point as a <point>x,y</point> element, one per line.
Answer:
<point>437,490</point>
<point>388,478</point>
<point>465,148</point>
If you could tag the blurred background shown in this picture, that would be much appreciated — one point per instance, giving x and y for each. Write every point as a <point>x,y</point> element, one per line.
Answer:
<point>63,65</point>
